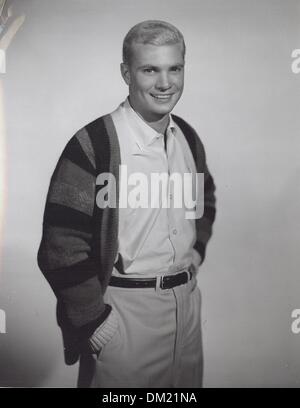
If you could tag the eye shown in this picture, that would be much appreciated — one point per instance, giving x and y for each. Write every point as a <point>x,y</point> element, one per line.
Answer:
<point>148,70</point>
<point>176,69</point>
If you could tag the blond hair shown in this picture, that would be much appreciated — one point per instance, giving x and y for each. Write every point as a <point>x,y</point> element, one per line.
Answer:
<point>154,32</point>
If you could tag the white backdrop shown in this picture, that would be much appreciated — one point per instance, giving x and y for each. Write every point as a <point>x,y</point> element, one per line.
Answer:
<point>243,99</point>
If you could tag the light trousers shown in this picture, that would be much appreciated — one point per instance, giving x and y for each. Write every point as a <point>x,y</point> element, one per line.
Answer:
<point>157,343</point>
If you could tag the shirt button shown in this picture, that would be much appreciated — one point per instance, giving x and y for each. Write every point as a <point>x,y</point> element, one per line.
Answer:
<point>174,231</point>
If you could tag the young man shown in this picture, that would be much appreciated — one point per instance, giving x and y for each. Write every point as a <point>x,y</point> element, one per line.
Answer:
<point>124,275</point>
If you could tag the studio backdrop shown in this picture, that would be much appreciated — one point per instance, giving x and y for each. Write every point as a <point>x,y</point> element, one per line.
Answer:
<point>60,69</point>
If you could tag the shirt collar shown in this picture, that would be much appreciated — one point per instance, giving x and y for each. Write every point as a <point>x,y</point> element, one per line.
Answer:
<point>143,133</point>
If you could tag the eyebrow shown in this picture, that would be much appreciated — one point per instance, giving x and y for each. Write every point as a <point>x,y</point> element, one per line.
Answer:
<point>156,67</point>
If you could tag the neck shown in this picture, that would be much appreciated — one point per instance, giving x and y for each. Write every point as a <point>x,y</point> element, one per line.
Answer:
<point>160,125</point>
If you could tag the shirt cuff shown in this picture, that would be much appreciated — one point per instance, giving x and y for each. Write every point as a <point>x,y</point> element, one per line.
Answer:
<point>104,332</point>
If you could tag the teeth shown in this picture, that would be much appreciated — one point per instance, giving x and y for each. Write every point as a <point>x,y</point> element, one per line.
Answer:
<point>162,96</point>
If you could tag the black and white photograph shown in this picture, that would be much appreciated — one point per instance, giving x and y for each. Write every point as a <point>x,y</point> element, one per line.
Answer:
<point>149,194</point>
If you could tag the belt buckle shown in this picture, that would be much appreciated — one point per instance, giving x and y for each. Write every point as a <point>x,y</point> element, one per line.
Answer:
<point>162,284</point>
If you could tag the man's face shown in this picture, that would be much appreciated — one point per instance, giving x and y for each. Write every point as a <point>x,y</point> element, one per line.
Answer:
<point>155,77</point>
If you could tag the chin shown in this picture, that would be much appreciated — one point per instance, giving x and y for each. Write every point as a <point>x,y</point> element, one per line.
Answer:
<point>159,113</point>
<point>163,108</point>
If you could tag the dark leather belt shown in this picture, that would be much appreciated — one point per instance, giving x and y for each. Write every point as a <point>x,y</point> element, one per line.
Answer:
<point>166,281</point>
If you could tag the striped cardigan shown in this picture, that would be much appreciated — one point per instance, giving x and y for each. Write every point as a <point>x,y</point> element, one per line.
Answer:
<point>80,240</point>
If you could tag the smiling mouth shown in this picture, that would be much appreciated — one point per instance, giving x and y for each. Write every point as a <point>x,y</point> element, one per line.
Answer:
<point>162,97</point>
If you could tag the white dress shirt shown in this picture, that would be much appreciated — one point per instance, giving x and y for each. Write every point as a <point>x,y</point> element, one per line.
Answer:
<point>152,241</point>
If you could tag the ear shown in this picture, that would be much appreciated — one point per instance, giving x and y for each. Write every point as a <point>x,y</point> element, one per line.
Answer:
<point>125,72</point>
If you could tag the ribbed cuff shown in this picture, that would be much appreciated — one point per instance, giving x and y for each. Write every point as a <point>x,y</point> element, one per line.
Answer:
<point>104,332</point>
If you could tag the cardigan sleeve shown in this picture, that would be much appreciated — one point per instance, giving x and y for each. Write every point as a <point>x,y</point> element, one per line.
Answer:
<point>66,253</point>
<point>204,224</point>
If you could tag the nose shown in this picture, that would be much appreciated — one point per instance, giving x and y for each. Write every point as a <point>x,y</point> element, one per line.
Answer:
<point>163,82</point>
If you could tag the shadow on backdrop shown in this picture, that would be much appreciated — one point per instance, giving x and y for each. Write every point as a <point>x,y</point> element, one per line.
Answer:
<point>30,342</point>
